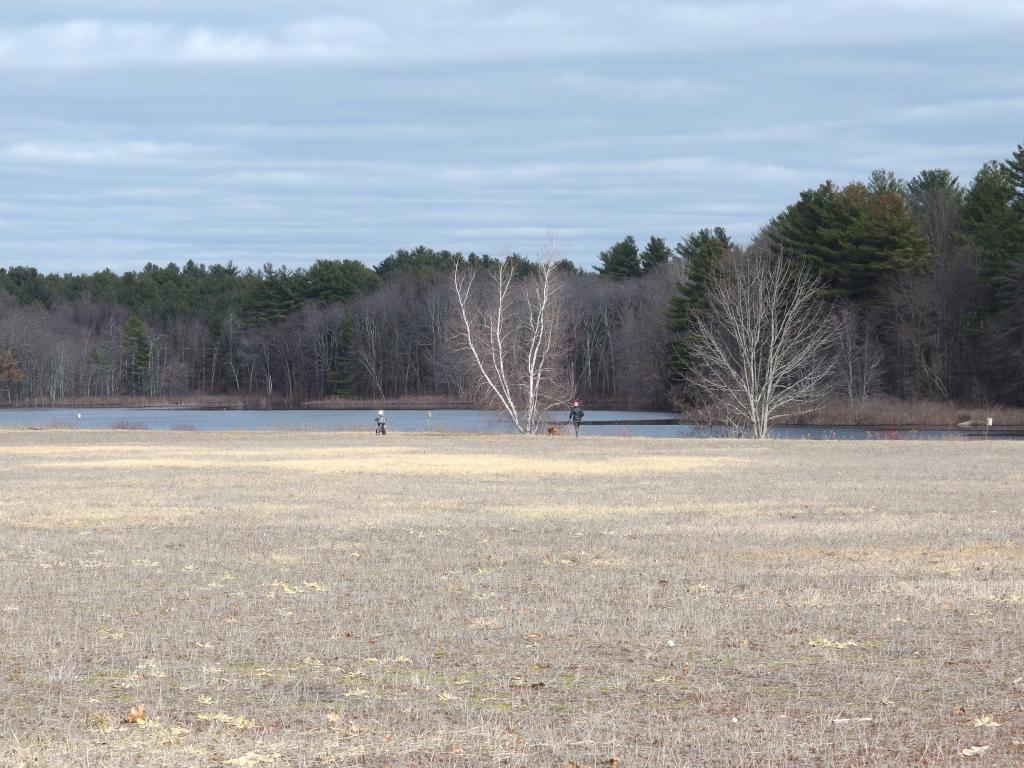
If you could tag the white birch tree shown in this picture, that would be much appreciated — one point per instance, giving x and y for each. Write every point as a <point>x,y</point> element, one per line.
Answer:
<point>510,333</point>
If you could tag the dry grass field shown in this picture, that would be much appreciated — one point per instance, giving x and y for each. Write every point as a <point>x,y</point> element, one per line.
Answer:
<point>339,600</point>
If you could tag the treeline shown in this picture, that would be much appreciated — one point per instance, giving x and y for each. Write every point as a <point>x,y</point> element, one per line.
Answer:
<point>927,276</point>
<point>337,328</point>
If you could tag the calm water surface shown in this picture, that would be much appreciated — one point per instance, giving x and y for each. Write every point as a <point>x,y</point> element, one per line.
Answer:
<point>424,421</point>
<point>307,420</point>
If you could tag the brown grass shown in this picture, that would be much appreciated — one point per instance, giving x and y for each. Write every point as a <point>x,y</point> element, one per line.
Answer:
<point>202,599</point>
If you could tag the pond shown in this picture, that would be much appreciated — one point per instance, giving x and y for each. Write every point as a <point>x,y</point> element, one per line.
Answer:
<point>605,423</point>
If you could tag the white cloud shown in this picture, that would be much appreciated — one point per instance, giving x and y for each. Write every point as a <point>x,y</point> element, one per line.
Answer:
<point>92,153</point>
<point>76,43</point>
<point>329,127</point>
<point>961,109</point>
<point>683,168</point>
<point>274,178</point>
<point>92,43</point>
<point>324,39</point>
<point>390,33</point>
<point>499,232</point>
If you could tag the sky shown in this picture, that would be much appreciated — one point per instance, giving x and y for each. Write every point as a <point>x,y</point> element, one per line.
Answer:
<point>135,131</point>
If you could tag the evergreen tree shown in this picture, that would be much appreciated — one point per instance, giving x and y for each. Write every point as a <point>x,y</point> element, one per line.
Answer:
<point>702,253</point>
<point>275,295</point>
<point>883,239</point>
<point>521,266</point>
<point>854,236</point>
<point>420,261</point>
<point>26,285</point>
<point>935,179</point>
<point>814,227</point>
<point>329,281</point>
<point>621,260</point>
<point>1015,171</point>
<point>936,202</point>
<point>882,182</point>
<point>341,375</point>
<point>137,353</point>
<point>657,252</point>
<point>994,223</point>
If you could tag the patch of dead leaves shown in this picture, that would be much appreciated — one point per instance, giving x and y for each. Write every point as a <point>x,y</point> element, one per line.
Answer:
<point>824,642</point>
<point>609,762</point>
<point>973,751</point>
<point>253,758</point>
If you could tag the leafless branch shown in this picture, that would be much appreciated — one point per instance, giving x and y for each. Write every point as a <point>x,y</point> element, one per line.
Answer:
<point>761,350</point>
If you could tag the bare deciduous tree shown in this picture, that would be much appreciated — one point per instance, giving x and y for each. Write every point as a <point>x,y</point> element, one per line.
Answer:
<point>861,358</point>
<point>926,313</point>
<point>763,348</point>
<point>509,333</point>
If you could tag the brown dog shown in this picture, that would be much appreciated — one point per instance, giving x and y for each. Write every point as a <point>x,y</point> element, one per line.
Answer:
<point>554,431</point>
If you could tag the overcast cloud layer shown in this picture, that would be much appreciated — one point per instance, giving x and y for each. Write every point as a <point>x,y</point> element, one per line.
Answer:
<point>287,132</point>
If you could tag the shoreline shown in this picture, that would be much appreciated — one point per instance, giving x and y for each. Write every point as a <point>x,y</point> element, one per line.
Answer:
<point>895,434</point>
<point>877,414</point>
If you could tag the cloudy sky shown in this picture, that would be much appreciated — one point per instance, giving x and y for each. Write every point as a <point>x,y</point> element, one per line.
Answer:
<point>145,130</point>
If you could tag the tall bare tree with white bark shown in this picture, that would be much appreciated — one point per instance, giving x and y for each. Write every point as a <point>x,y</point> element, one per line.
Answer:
<point>509,334</point>
<point>765,346</point>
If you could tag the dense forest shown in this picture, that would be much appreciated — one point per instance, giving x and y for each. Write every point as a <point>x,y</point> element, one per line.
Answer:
<point>926,277</point>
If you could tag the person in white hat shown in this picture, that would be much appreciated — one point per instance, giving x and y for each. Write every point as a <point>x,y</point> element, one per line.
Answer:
<point>576,416</point>
<point>382,423</point>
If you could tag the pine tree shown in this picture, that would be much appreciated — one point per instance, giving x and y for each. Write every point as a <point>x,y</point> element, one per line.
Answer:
<point>276,294</point>
<point>341,374</point>
<point>329,281</point>
<point>1015,168</point>
<point>702,252</point>
<point>657,252</point>
<point>936,202</point>
<point>621,260</point>
<point>137,354</point>
<point>881,182</point>
<point>420,261</point>
<point>994,223</point>
<point>935,179</point>
<point>814,227</point>
<point>883,240</point>
<point>853,236</point>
